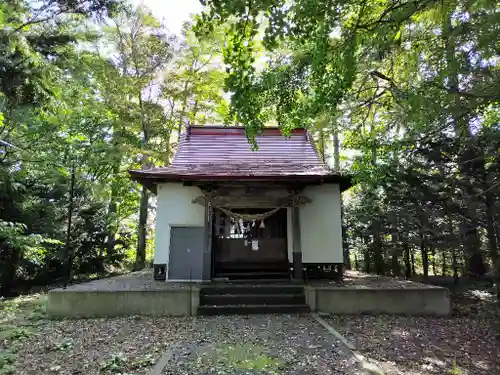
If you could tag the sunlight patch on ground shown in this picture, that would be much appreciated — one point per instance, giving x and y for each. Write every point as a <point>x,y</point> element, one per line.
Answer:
<point>22,308</point>
<point>401,333</point>
<point>482,295</point>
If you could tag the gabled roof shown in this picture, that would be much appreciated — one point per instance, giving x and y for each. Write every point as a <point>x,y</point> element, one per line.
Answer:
<point>215,153</point>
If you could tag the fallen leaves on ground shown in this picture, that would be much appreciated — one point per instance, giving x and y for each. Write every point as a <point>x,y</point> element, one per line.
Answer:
<point>259,344</point>
<point>424,345</point>
<point>100,346</point>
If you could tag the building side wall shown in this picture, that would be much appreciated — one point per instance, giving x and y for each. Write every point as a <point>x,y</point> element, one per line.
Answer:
<point>321,225</point>
<point>175,208</point>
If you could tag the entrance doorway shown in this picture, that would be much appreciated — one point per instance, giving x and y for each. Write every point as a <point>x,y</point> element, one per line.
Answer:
<point>186,253</point>
<point>250,249</point>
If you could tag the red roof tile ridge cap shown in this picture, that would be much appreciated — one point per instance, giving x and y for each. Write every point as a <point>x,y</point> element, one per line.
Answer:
<point>222,126</point>
<point>238,130</point>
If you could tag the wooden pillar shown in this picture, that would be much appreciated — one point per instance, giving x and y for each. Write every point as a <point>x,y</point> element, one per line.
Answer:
<point>297,249</point>
<point>207,251</point>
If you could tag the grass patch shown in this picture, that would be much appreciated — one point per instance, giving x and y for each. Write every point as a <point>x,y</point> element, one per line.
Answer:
<point>23,309</point>
<point>7,360</point>
<point>63,345</point>
<point>118,363</point>
<point>114,364</point>
<point>19,319</point>
<point>16,333</point>
<point>243,357</point>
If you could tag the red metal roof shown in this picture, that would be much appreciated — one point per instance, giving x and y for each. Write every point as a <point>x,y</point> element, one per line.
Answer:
<point>216,152</point>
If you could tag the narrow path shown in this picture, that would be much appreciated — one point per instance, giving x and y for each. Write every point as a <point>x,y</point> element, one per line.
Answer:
<point>365,363</point>
<point>259,345</point>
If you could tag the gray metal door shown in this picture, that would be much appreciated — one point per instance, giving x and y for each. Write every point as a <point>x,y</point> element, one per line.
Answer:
<point>186,253</point>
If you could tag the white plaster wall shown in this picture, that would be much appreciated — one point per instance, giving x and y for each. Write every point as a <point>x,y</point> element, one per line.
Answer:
<point>320,224</point>
<point>175,208</point>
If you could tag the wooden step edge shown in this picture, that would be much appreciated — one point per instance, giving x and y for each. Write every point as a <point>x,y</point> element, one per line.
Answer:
<point>231,295</point>
<point>252,306</point>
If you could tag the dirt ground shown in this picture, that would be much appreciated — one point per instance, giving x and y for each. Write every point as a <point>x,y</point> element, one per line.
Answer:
<point>467,343</point>
<point>256,345</point>
<point>424,345</point>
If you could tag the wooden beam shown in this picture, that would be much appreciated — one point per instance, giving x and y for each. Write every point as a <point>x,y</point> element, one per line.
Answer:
<point>297,248</point>
<point>207,251</point>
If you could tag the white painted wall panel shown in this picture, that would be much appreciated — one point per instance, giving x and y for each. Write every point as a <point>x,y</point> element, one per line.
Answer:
<point>320,224</point>
<point>175,207</point>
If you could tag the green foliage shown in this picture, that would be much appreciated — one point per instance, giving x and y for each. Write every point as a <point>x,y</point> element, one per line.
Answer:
<point>144,361</point>
<point>7,360</point>
<point>454,370</point>
<point>83,99</point>
<point>412,87</point>
<point>239,357</point>
<point>19,334</point>
<point>308,71</point>
<point>114,364</point>
<point>117,362</point>
<point>17,325</point>
<point>64,344</point>
<point>193,87</point>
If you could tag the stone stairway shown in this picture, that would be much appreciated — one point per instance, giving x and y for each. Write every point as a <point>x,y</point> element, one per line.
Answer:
<point>251,298</point>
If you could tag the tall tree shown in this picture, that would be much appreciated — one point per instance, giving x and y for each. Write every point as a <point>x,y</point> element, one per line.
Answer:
<point>413,83</point>
<point>143,50</point>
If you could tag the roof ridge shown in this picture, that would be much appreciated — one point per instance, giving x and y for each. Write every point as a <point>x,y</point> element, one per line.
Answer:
<point>238,127</point>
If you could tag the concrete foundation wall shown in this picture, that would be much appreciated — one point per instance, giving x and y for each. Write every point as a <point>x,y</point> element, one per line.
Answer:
<point>93,304</point>
<point>418,301</point>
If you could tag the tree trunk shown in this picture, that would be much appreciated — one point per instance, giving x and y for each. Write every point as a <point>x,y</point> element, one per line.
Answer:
<point>183,112</point>
<point>492,239</point>
<point>423,246</point>
<point>468,228</point>
<point>140,257</point>
<point>425,260</point>
<point>336,151</point>
<point>321,144</point>
<point>412,255</point>
<point>406,251</point>
<point>425,256</point>
<point>336,168</point>
<point>444,266</point>
<point>396,269</point>
<point>454,265</point>
<point>376,227</point>
<point>70,253</point>
<point>377,248</point>
<point>9,263</point>
<point>433,259</point>
<point>112,222</point>
<point>367,255</point>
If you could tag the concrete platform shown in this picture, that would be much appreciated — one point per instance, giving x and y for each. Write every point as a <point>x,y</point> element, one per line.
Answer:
<point>132,294</point>
<point>360,293</point>
<point>138,294</point>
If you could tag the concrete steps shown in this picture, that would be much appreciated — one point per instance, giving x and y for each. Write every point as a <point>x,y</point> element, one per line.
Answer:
<point>253,299</point>
<point>255,275</point>
<point>250,298</point>
<point>250,288</point>
<point>251,309</point>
